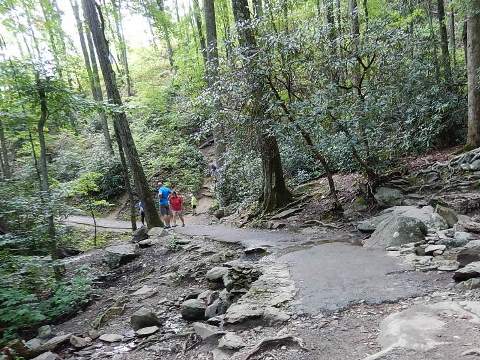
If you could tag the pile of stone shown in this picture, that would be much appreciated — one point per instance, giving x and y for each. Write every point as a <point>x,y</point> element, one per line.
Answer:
<point>428,239</point>
<point>226,284</point>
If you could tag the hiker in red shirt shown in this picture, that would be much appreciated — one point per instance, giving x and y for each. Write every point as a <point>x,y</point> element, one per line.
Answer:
<point>176,204</point>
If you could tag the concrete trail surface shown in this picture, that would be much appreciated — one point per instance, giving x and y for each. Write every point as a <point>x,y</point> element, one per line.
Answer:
<point>329,273</point>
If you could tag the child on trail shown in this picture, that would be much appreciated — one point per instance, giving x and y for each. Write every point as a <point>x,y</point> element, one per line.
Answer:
<point>176,204</point>
<point>194,203</point>
<point>141,209</point>
<point>163,195</point>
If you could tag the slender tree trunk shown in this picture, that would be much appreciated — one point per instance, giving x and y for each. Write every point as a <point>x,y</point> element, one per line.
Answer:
<point>126,179</point>
<point>275,192</point>
<point>212,76</point>
<point>473,68</point>
<point>98,94</point>
<point>120,117</point>
<point>3,144</point>
<point>43,170</point>
<point>453,45</point>
<point>117,10</point>
<point>198,22</point>
<point>434,42</point>
<point>163,27</point>
<point>444,42</point>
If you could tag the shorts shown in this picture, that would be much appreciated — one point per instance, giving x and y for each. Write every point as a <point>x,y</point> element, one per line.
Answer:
<point>165,210</point>
<point>194,206</point>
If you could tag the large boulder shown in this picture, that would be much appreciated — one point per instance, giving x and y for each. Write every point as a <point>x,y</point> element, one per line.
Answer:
<point>470,271</point>
<point>143,318</point>
<point>425,214</point>
<point>193,310</point>
<point>140,234</point>
<point>468,255</point>
<point>397,231</point>
<point>388,196</point>
<point>119,255</point>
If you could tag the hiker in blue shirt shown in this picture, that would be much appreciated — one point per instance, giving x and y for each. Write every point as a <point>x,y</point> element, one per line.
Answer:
<point>163,195</point>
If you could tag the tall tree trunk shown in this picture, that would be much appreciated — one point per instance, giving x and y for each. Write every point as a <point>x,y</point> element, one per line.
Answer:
<point>212,76</point>
<point>444,42</point>
<point>7,173</point>
<point>275,192</point>
<point>98,94</point>
<point>198,22</point>
<point>45,186</point>
<point>120,117</point>
<point>126,178</point>
<point>433,39</point>
<point>451,28</point>
<point>163,27</point>
<point>473,68</point>
<point>122,45</point>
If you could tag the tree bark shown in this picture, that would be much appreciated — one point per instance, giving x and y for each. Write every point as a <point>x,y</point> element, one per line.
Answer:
<point>453,43</point>
<point>92,14</point>
<point>117,11</point>
<point>7,173</point>
<point>433,38</point>
<point>98,94</point>
<point>163,27</point>
<point>198,22</point>
<point>444,42</point>
<point>473,67</point>
<point>275,192</point>
<point>126,179</point>
<point>212,76</point>
<point>42,168</point>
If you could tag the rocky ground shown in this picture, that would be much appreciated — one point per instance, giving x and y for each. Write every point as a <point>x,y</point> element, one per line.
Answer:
<point>210,291</point>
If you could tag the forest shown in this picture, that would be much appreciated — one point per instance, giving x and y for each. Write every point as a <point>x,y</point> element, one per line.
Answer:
<point>102,99</point>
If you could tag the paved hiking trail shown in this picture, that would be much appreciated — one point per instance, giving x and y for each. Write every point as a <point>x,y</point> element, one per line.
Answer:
<point>330,270</point>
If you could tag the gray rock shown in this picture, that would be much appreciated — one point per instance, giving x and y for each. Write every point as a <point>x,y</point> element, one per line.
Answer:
<point>255,250</point>
<point>78,342</point>
<point>425,214</point>
<point>143,318</point>
<point>449,215</point>
<point>470,284</point>
<point>206,331</point>
<point>193,310</point>
<point>216,274</point>
<point>220,213</point>
<point>475,165</point>
<point>468,255</point>
<point>397,231</point>
<point>430,249</point>
<point>44,332</point>
<point>219,354</point>
<point>34,343</point>
<point>231,341</point>
<point>54,342</point>
<point>140,234</point>
<point>388,196</point>
<point>215,309</point>
<point>472,270</point>
<point>118,255</point>
<point>208,296</point>
<point>47,356</point>
<point>145,291</point>
<point>147,331</point>
<point>473,243</point>
<point>110,338</point>
<point>157,232</point>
